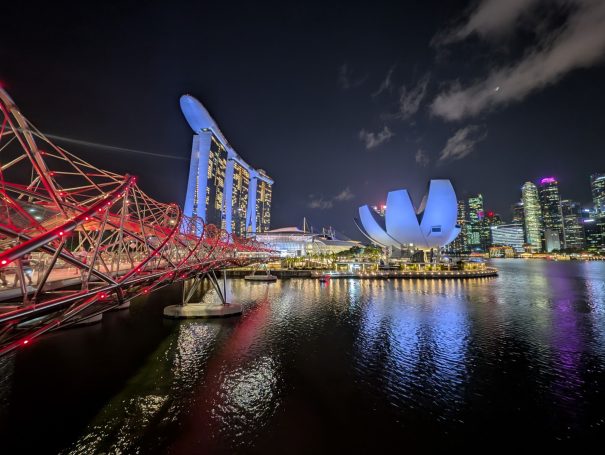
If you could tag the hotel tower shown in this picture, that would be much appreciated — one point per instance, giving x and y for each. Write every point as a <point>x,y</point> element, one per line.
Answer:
<point>222,188</point>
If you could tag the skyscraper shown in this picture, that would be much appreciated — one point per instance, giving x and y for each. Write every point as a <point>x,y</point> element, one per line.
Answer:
<point>264,194</point>
<point>459,243</point>
<point>223,189</point>
<point>532,215</point>
<point>517,210</point>
<point>489,220</point>
<point>594,230</point>
<point>475,221</point>
<point>572,224</point>
<point>552,219</point>
<point>597,185</point>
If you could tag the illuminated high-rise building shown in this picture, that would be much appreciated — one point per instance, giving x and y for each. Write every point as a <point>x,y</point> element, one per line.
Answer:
<point>263,201</point>
<point>490,220</point>
<point>518,214</point>
<point>552,219</point>
<point>459,244</point>
<point>475,222</point>
<point>572,224</point>
<point>223,189</point>
<point>239,198</point>
<point>597,186</point>
<point>508,235</point>
<point>533,216</point>
<point>594,230</point>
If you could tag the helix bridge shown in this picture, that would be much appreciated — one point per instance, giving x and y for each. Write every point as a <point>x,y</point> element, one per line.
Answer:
<point>77,240</point>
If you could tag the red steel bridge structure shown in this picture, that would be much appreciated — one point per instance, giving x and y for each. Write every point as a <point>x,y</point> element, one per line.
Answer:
<point>77,240</point>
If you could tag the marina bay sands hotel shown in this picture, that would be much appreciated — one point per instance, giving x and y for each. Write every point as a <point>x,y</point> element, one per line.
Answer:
<point>222,188</point>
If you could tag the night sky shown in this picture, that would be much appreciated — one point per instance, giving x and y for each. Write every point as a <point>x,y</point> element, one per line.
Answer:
<point>338,103</point>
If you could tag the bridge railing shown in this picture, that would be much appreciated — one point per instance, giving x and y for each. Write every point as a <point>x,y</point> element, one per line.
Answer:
<point>77,240</point>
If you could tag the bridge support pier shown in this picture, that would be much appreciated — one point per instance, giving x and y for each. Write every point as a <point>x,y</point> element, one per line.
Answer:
<point>189,309</point>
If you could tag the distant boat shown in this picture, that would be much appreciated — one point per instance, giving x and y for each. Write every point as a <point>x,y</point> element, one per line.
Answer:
<point>261,277</point>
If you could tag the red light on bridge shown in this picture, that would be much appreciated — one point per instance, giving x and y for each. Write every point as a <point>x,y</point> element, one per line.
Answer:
<point>25,341</point>
<point>102,296</point>
<point>4,262</point>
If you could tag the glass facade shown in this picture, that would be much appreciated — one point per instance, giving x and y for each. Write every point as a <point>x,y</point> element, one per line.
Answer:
<point>518,214</point>
<point>572,224</point>
<point>509,235</point>
<point>594,230</point>
<point>552,219</point>
<point>263,204</point>
<point>489,220</point>
<point>215,189</point>
<point>239,199</point>
<point>597,185</point>
<point>533,216</point>
<point>475,222</point>
<point>459,244</point>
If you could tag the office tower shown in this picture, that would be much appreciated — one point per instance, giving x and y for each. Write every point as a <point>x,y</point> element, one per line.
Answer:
<point>572,225</point>
<point>475,221</point>
<point>552,219</point>
<point>533,217</point>
<point>597,186</point>
<point>509,235</point>
<point>459,244</point>
<point>594,231</point>
<point>517,210</point>
<point>489,220</point>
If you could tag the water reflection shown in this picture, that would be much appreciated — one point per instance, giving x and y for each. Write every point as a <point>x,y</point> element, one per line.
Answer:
<point>415,348</point>
<point>349,365</point>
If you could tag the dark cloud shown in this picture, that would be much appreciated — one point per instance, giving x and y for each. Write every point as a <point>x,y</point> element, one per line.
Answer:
<point>373,140</point>
<point>347,80</point>
<point>578,43</point>
<point>410,99</point>
<point>386,85</point>
<point>462,143</point>
<point>421,157</point>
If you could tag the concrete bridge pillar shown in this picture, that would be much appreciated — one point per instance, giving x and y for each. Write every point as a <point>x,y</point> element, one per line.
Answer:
<point>192,290</point>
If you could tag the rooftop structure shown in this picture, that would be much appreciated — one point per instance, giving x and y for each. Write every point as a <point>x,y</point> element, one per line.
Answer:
<point>295,242</point>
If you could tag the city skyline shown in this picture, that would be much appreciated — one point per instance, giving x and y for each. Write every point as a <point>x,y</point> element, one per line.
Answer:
<point>542,221</point>
<point>302,227</point>
<point>331,111</point>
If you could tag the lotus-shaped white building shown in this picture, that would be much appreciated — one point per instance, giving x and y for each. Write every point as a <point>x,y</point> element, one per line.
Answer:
<point>433,225</point>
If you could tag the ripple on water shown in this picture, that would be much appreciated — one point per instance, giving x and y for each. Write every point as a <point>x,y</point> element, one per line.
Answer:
<point>311,364</point>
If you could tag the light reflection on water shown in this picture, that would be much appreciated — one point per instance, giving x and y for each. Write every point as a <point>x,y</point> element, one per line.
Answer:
<point>366,364</point>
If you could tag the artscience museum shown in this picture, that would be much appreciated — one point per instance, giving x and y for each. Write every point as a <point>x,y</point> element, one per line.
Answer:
<point>431,226</point>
